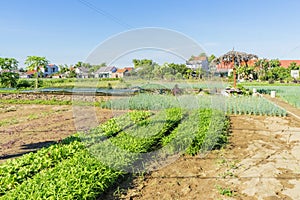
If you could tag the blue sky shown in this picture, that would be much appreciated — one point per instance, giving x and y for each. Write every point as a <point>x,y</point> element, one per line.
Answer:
<point>67,31</point>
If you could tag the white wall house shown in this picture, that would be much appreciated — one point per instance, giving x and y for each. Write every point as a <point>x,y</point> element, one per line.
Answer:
<point>198,62</point>
<point>105,72</point>
<point>82,72</point>
<point>50,69</point>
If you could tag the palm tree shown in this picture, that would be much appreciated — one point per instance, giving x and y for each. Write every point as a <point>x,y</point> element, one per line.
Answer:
<point>36,63</point>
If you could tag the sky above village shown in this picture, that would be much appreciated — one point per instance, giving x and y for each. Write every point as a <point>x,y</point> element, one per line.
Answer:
<point>67,31</point>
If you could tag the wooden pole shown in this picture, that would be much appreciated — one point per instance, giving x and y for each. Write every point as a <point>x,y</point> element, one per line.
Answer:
<point>234,77</point>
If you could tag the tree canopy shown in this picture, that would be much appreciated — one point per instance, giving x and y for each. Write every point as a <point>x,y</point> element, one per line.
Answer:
<point>8,77</point>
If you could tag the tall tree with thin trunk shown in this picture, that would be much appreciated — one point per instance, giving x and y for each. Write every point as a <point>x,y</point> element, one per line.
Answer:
<point>36,63</point>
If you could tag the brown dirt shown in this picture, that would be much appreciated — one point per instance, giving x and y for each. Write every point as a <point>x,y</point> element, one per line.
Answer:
<point>26,128</point>
<point>261,161</point>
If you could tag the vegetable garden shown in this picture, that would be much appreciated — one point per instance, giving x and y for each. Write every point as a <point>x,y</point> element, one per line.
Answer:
<point>85,165</point>
<point>70,170</point>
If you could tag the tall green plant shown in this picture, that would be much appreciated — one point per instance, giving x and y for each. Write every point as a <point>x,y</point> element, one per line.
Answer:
<point>36,63</point>
<point>8,77</point>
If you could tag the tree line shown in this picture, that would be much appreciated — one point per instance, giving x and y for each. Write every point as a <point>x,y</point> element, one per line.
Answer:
<point>263,69</point>
<point>267,70</point>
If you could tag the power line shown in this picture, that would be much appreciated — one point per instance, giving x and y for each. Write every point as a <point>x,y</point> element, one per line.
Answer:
<point>104,13</point>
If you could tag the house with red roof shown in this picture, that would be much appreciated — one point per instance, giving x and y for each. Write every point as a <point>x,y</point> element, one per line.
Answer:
<point>225,67</point>
<point>287,63</point>
<point>120,73</point>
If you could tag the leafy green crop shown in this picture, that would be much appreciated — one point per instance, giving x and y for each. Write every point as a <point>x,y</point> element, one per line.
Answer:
<point>79,177</point>
<point>14,172</point>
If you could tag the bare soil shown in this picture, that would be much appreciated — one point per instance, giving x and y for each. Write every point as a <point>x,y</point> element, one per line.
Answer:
<point>26,128</point>
<point>261,161</point>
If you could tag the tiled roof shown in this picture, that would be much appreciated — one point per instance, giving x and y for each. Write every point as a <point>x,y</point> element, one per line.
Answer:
<point>230,65</point>
<point>106,69</point>
<point>286,63</point>
<point>200,58</point>
<point>129,68</point>
<point>121,70</point>
<point>83,69</point>
<point>31,72</point>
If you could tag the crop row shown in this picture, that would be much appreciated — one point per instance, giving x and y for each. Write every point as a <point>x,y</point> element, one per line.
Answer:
<point>232,105</point>
<point>201,131</point>
<point>77,172</point>
<point>125,149</point>
<point>15,172</point>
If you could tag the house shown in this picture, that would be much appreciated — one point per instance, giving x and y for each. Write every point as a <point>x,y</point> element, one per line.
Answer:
<point>30,73</point>
<point>227,67</point>
<point>49,70</point>
<point>198,62</point>
<point>120,73</point>
<point>82,72</point>
<point>286,63</point>
<point>105,72</point>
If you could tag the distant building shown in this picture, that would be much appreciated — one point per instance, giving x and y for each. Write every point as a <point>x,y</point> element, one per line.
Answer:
<point>198,62</point>
<point>120,73</point>
<point>227,67</point>
<point>105,72</point>
<point>49,70</point>
<point>82,72</point>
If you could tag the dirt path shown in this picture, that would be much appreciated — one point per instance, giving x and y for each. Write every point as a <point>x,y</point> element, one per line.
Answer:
<point>26,128</point>
<point>261,161</point>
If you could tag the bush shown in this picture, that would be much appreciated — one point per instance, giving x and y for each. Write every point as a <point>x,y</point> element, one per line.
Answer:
<point>22,83</point>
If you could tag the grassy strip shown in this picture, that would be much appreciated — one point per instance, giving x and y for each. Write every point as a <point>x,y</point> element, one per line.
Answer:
<point>35,101</point>
<point>49,102</point>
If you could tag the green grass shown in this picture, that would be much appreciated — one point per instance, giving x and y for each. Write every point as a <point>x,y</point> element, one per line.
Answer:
<point>290,94</point>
